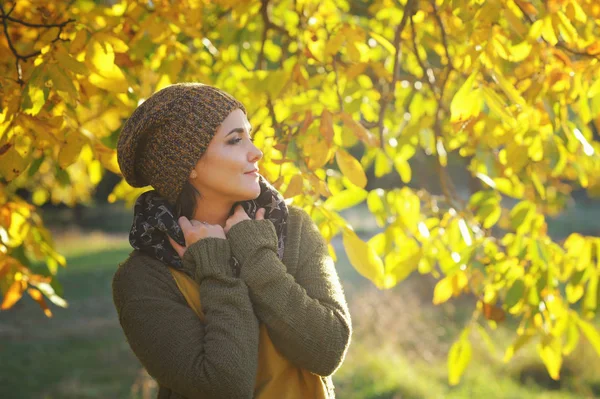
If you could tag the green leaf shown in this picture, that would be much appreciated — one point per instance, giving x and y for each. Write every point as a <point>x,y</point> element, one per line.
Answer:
<point>515,293</point>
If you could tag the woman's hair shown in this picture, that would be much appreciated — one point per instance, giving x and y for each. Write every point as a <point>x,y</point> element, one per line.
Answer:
<point>186,202</point>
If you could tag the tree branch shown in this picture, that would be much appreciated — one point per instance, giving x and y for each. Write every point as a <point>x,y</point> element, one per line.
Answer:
<point>6,17</point>
<point>444,35</point>
<point>18,21</point>
<point>389,96</point>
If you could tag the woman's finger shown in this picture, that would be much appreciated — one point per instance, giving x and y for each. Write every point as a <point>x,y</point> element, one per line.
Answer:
<point>185,224</point>
<point>260,214</point>
<point>178,248</point>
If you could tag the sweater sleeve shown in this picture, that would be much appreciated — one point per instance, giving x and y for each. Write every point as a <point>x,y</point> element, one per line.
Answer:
<point>306,315</point>
<point>216,358</point>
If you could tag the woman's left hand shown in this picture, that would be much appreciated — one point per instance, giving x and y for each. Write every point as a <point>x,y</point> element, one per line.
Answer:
<point>241,215</point>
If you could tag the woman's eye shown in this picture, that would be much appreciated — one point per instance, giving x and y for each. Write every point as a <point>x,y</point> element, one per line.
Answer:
<point>235,141</point>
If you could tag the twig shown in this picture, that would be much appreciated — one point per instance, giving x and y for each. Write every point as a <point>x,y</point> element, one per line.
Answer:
<point>18,21</point>
<point>390,95</point>
<point>444,35</point>
<point>268,24</point>
<point>5,17</point>
<point>337,85</point>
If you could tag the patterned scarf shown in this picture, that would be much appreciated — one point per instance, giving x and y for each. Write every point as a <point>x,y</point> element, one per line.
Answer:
<point>154,218</point>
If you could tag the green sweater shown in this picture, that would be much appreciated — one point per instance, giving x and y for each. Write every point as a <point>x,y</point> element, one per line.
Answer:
<point>300,300</point>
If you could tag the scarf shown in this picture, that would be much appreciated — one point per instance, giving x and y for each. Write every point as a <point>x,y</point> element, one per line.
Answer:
<point>154,219</point>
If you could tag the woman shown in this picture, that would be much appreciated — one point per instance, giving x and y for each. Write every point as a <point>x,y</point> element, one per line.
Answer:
<point>262,270</point>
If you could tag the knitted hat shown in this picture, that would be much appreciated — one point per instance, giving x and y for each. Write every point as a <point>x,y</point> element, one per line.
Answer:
<point>165,136</point>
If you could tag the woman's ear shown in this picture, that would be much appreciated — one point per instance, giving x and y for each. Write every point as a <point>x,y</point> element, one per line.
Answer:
<point>193,174</point>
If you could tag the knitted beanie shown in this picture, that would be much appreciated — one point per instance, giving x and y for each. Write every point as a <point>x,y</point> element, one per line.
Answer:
<point>163,139</point>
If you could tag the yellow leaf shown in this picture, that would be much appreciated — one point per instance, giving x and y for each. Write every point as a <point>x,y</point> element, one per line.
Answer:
<point>363,257</point>
<point>107,157</point>
<point>39,298</point>
<point>118,45</point>
<point>443,290</point>
<point>61,81</point>
<point>384,42</point>
<point>403,168</point>
<point>466,102</point>
<point>12,164</point>
<point>383,164</point>
<point>318,154</point>
<point>458,359</point>
<point>510,91</point>
<point>13,294</point>
<point>590,332</point>
<point>69,151</point>
<point>346,199</point>
<point>79,42</point>
<point>497,105</point>
<point>115,84</point>
<point>351,168</point>
<point>359,130</point>
<point>295,187</point>
<point>548,31</point>
<point>326,126</point>
<point>101,56</point>
<point>70,63</point>
<point>550,352</point>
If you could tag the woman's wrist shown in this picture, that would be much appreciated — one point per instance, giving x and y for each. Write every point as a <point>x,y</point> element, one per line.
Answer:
<point>208,257</point>
<point>249,235</point>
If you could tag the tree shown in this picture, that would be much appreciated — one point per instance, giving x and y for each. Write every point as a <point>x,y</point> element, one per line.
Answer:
<point>508,86</point>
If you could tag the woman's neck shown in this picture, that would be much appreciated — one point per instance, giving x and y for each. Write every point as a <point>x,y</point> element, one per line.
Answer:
<point>212,212</point>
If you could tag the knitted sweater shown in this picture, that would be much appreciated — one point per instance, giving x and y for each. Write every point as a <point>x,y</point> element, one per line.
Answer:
<point>300,300</point>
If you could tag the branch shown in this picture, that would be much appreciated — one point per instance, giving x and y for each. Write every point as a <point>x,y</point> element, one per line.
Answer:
<point>18,21</point>
<point>390,95</point>
<point>268,24</point>
<point>5,17</point>
<point>444,35</point>
<point>445,180</point>
<point>337,85</point>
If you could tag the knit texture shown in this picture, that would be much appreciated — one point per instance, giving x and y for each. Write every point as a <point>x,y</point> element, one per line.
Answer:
<point>300,300</point>
<point>163,139</point>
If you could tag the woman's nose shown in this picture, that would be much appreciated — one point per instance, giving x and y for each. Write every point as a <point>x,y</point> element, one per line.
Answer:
<point>255,154</point>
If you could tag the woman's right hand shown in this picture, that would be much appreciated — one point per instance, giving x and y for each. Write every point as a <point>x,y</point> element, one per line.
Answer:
<point>194,231</point>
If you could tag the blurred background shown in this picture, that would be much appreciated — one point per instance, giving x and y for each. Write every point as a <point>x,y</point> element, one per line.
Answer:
<point>448,149</point>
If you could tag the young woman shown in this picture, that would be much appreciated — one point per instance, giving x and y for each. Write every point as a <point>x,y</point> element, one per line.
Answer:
<point>229,292</point>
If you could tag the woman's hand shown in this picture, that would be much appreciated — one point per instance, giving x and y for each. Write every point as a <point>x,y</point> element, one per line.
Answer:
<point>194,231</point>
<point>240,215</point>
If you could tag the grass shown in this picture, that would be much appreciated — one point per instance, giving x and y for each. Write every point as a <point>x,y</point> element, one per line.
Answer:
<point>399,346</point>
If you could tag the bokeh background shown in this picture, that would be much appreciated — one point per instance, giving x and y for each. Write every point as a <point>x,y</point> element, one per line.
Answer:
<point>448,150</point>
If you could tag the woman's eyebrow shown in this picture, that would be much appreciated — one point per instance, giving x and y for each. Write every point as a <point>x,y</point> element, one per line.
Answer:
<point>238,130</point>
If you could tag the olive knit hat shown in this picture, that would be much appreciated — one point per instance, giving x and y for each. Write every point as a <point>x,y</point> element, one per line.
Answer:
<point>163,139</point>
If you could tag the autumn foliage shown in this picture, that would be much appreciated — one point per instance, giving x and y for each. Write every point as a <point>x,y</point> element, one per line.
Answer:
<point>337,90</point>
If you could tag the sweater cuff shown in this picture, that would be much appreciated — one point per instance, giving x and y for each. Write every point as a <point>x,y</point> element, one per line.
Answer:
<point>208,257</point>
<point>248,236</point>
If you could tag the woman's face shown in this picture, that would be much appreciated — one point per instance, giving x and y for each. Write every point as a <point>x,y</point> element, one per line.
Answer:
<point>222,171</point>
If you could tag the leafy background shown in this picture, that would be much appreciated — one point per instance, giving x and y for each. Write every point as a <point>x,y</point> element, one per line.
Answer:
<point>448,145</point>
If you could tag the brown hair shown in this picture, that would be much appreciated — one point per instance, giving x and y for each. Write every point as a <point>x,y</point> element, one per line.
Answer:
<point>186,202</point>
